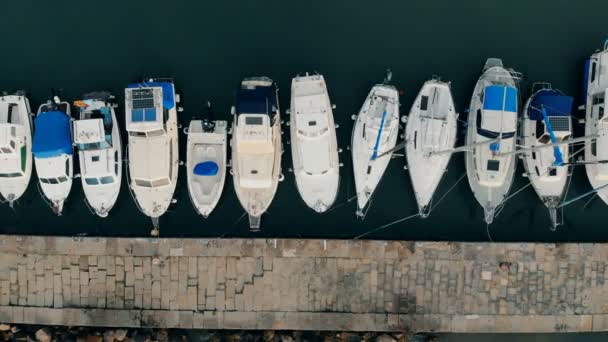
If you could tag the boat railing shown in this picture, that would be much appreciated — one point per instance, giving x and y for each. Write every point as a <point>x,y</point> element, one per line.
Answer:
<point>536,86</point>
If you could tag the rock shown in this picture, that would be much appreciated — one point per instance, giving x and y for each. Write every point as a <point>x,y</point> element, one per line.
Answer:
<point>385,338</point>
<point>108,336</point>
<point>120,334</point>
<point>286,338</point>
<point>5,327</point>
<point>233,338</point>
<point>346,336</point>
<point>93,338</point>
<point>43,335</point>
<point>269,335</point>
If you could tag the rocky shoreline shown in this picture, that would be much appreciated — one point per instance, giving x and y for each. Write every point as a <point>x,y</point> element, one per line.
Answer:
<point>9,332</point>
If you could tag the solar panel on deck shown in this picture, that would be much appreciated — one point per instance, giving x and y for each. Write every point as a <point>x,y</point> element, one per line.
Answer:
<point>560,123</point>
<point>142,98</point>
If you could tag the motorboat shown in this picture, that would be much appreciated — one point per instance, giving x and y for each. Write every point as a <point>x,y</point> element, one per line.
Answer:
<point>206,162</point>
<point>430,135</point>
<point>545,131</point>
<point>256,146</point>
<point>153,156</point>
<point>491,136</point>
<point>596,122</point>
<point>314,147</point>
<point>53,152</point>
<point>375,134</point>
<point>15,146</point>
<point>97,137</point>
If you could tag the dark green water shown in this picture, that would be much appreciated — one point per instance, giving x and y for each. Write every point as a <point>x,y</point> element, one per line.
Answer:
<point>208,47</point>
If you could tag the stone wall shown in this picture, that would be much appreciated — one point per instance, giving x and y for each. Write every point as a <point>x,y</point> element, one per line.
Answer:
<point>304,284</point>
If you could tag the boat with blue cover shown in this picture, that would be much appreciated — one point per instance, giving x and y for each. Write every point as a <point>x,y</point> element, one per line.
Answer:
<point>491,135</point>
<point>15,146</point>
<point>206,162</point>
<point>53,152</point>
<point>596,121</point>
<point>97,137</point>
<point>256,146</point>
<point>153,156</point>
<point>545,132</point>
<point>374,136</point>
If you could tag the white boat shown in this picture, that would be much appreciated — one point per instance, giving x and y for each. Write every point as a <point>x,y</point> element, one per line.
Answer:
<point>256,146</point>
<point>97,136</point>
<point>15,147</point>
<point>314,147</point>
<point>375,132</point>
<point>546,121</point>
<point>596,122</point>
<point>206,163</point>
<point>151,121</point>
<point>492,126</point>
<point>431,128</point>
<point>53,152</point>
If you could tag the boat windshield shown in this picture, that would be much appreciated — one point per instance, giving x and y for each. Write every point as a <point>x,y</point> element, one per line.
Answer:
<point>101,180</point>
<point>11,175</point>
<point>57,180</point>
<point>94,146</point>
<point>153,183</point>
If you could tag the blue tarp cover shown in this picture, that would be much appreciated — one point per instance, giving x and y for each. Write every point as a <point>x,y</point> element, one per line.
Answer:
<point>208,168</point>
<point>140,115</point>
<point>256,101</point>
<point>168,99</point>
<point>494,98</point>
<point>554,103</point>
<point>52,136</point>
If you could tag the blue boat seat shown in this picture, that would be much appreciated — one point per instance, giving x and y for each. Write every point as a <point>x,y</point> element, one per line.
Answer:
<point>208,168</point>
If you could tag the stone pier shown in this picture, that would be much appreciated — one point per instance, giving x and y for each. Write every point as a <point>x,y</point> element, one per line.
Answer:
<point>304,284</point>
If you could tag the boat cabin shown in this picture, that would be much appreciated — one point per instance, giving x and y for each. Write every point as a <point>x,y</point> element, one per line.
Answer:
<point>147,106</point>
<point>499,117</point>
<point>313,128</point>
<point>255,148</point>
<point>13,152</point>
<point>52,147</point>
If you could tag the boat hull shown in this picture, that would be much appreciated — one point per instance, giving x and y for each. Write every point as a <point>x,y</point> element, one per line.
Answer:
<point>314,147</point>
<point>204,147</point>
<point>376,131</point>
<point>489,188</point>
<point>431,127</point>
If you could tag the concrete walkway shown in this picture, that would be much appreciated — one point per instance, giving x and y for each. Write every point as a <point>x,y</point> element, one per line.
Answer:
<point>304,284</point>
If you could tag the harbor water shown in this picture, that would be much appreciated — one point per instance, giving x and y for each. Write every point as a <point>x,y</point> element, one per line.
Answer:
<point>207,47</point>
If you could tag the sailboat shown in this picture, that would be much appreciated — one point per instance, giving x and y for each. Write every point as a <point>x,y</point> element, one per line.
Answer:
<point>596,122</point>
<point>314,147</point>
<point>546,121</point>
<point>151,121</point>
<point>376,131</point>
<point>206,162</point>
<point>53,152</point>
<point>431,127</point>
<point>97,138</point>
<point>256,146</point>
<point>492,126</point>
<point>15,146</point>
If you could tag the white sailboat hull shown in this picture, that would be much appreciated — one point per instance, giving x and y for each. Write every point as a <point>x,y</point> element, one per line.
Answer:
<point>314,146</point>
<point>595,123</point>
<point>489,187</point>
<point>205,190</point>
<point>549,181</point>
<point>372,122</point>
<point>431,127</point>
